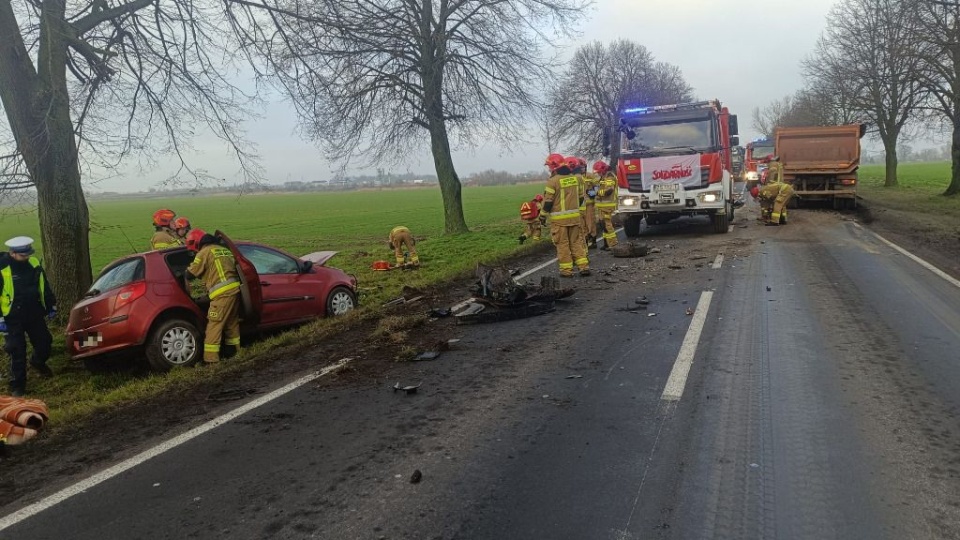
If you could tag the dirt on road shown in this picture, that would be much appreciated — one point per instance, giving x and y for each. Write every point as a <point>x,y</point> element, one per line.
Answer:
<point>57,459</point>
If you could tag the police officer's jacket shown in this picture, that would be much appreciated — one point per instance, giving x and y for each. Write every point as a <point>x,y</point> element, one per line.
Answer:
<point>24,285</point>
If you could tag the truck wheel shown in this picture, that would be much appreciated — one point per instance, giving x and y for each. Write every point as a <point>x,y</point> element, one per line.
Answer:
<point>631,226</point>
<point>173,343</point>
<point>721,223</point>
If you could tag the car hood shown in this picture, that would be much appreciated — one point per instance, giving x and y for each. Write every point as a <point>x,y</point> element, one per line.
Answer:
<point>319,258</point>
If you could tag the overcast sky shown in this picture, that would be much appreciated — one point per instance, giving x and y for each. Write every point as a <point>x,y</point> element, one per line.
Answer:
<point>745,53</point>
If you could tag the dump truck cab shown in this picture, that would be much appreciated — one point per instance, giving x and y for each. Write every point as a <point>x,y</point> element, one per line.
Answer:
<point>753,166</point>
<point>675,160</point>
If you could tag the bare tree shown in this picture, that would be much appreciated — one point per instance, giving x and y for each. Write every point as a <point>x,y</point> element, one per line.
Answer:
<point>92,82</point>
<point>940,61</point>
<point>599,82</point>
<point>370,77</point>
<point>870,50</point>
<point>767,119</point>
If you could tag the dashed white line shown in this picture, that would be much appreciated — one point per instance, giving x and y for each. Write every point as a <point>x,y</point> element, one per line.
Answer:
<point>102,476</point>
<point>681,367</point>
<point>914,258</point>
<point>718,262</point>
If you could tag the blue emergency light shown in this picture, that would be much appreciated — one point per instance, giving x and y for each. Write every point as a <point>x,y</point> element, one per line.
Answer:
<point>711,104</point>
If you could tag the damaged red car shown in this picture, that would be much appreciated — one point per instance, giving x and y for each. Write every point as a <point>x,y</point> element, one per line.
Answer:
<point>141,304</point>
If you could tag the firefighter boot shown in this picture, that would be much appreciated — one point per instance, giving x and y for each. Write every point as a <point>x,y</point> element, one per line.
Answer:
<point>522,239</point>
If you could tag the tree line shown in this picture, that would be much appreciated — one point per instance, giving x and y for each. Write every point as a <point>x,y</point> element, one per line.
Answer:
<point>891,64</point>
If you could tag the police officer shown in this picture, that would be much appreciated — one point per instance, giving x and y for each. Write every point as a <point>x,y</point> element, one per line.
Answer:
<point>216,266</point>
<point>25,301</point>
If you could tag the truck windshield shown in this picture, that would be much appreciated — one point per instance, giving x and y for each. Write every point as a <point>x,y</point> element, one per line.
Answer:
<point>760,152</point>
<point>693,135</point>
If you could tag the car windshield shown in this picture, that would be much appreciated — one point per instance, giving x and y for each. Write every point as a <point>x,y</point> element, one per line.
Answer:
<point>760,152</point>
<point>119,275</point>
<point>679,135</point>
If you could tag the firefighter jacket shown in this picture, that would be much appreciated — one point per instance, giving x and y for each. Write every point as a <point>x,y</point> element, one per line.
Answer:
<point>530,210</point>
<point>771,190</point>
<point>774,172</point>
<point>216,266</point>
<point>396,233</point>
<point>562,198</point>
<point>29,281</point>
<point>607,193</point>
<point>162,239</point>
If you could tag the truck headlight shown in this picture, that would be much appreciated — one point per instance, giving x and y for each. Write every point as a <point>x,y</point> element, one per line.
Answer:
<point>710,197</point>
<point>629,201</point>
<point>753,175</point>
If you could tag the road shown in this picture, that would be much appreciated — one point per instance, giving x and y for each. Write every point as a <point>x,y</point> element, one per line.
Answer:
<point>820,402</point>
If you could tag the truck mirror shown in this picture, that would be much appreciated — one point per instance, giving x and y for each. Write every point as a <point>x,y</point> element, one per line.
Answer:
<point>734,141</point>
<point>605,142</point>
<point>733,126</point>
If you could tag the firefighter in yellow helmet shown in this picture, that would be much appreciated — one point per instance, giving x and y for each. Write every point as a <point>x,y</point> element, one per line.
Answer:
<point>163,237</point>
<point>562,198</point>
<point>606,202</point>
<point>530,216</point>
<point>588,208</point>
<point>400,238</point>
<point>216,266</point>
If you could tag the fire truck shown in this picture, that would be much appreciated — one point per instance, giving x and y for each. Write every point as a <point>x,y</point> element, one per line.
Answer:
<point>675,160</point>
<point>752,168</point>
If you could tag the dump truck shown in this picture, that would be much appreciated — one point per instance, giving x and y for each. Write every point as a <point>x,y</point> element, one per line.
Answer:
<point>821,162</point>
<point>753,165</point>
<point>675,161</point>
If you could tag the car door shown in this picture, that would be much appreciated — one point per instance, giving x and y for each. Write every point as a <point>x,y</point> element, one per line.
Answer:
<point>287,296</point>
<point>251,296</point>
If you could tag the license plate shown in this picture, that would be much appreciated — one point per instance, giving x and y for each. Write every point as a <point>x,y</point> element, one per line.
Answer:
<point>666,187</point>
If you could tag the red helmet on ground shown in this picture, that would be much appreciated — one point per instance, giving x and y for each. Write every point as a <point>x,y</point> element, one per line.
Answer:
<point>538,197</point>
<point>573,163</point>
<point>163,217</point>
<point>193,239</point>
<point>601,167</point>
<point>554,161</point>
<point>181,223</point>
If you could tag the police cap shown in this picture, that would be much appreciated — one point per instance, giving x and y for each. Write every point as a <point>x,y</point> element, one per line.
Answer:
<point>20,244</point>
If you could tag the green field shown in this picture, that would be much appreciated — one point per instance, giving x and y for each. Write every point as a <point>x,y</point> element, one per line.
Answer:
<point>920,188</point>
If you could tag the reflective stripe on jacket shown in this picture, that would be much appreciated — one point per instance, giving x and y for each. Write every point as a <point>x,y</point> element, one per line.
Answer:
<point>565,193</point>
<point>607,192</point>
<point>217,267</point>
<point>6,297</point>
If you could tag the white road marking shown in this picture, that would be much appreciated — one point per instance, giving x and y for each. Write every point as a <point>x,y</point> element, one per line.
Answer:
<point>102,476</point>
<point>546,264</point>
<point>681,367</point>
<point>914,258</point>
<point>718,262</point>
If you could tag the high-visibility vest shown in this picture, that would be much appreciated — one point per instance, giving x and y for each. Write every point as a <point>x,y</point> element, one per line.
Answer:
<point>6,297</point>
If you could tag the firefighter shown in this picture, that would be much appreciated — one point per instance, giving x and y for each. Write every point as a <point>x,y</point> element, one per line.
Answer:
<point>774,170</point>
<point>606,202</point>
<point>26,302</point>
<point>562,199</point>
<point>181,226</point>
<point>216,266</point>
<point>530,216</point>
<point>589,221</point>
<point>399,238</point>
<point>163,237</point>
<point>773,198</point>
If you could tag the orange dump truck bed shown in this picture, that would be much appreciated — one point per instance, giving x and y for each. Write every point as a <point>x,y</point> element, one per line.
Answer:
<point>821,161</point>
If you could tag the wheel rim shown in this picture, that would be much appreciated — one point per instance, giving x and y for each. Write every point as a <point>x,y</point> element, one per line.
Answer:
<point>341,302</point>
<point>178,345</point>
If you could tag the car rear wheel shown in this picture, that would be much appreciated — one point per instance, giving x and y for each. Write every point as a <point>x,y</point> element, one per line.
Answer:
<point>340,301</point>
<point>173,343</point>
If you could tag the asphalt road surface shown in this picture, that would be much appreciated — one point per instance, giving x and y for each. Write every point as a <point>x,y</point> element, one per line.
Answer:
<point>789,382</point>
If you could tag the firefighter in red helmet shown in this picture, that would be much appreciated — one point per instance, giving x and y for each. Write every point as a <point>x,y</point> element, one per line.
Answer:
<point>606,202</point>
<point>530,216</point>
<point>562,198</point>
<point>181,226</point>
<point>215,265</point>
<point>163,236</point>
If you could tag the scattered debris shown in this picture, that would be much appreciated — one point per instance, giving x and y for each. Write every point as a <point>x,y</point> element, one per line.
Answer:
<point>408,389</point>
<point>768,288</point>
<point>698,257</point>
<point>654,250</point>
<point>651,314</point>
<point>574,377</point>
<point>689,311</point>
<point>629,249</point>
<point>674,267</point>
<point>643,300</point>
<point>429,355</point>
<point>439,312</point>
<point>402,300</point>
<point>416,476</point>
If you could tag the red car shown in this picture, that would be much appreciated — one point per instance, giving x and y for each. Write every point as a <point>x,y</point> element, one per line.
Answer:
<point>142,302</point>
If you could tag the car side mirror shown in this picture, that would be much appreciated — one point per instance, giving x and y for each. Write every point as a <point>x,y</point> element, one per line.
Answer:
<point>305,266</point>
<point>733,125</point>
<point>734,141</point>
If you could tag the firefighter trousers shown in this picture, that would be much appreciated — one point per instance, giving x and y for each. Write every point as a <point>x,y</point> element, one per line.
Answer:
<point>779,212</point>
<point>28,323</point>
<point>405,239</point>
<point>589,221</point>
<point>531,228</point>
<point>571,247</point>
<point>223,324</point>
<point>609,233</point>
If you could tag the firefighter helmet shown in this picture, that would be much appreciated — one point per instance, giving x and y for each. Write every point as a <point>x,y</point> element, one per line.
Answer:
<point>601,167</point>
<point>163,217</point>
<point>193,239</point>
<point>181,223</point>
<point>573,163</point>
<point>380,265</point>
<point>538,198</point>
<point>554,161</point>
<point>755,192</point>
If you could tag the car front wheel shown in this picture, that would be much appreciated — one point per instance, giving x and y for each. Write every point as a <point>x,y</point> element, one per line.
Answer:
<point>173,343</point>
<point>340,301</point>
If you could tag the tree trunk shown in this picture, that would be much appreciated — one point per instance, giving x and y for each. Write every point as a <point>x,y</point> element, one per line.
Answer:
<point>453,220</point>
<point>954,188</point>
<point>890,151</point>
